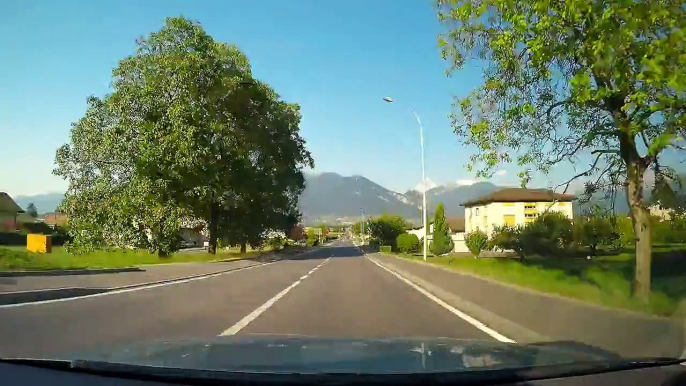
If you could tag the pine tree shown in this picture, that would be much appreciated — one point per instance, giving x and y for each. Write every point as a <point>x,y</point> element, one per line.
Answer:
<point>442,243</point>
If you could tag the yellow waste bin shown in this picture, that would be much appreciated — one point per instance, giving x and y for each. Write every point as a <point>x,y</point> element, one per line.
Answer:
<point>39,243</point>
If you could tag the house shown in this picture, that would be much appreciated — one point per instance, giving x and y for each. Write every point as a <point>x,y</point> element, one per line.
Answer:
<point>54,220</point>
<point>8,213</point>
<point>456,227</point>
<point>664,213</point>
<point>513,206</point>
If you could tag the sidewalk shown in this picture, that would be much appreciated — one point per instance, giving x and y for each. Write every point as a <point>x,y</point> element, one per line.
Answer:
<point>527,316</point>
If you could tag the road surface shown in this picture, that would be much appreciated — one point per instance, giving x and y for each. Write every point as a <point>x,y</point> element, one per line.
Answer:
<point>330,292</point>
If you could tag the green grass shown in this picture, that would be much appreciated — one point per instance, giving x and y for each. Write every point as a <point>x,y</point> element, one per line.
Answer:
<point>605,280</point>
<point>17,259</point>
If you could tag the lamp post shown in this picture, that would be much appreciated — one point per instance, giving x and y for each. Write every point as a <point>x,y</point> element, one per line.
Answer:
<point>421,142</point>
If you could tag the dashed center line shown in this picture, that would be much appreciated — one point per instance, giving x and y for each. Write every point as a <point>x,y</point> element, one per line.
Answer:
<point>233,330</point>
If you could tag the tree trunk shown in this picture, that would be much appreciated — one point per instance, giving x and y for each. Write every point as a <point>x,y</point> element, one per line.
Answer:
<point>244,247</point>
<point>640,217</point>
<point>214,219</point>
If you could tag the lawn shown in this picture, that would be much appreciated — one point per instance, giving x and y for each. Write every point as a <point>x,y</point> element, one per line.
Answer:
<point>605,280</point>
<point>17,259</point>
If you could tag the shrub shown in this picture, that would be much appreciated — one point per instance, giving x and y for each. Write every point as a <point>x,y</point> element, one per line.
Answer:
<point>595,231</point>
<point>374,244</point>
<point>551,233</point>
<point>669,232</point>
<point>385,249</point>
<point>441,244</point>
<point>275,243</point>
<point>476,241</point>
<point>503,238</point>
<point>407,242</point>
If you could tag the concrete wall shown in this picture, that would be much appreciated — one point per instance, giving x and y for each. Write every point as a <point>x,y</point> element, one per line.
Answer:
<point>486,217</point>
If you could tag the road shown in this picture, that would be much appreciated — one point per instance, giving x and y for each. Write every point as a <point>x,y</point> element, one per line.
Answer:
<point>330,292</point>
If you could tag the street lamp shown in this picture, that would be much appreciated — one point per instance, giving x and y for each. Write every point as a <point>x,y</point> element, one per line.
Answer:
<point>424,186</point>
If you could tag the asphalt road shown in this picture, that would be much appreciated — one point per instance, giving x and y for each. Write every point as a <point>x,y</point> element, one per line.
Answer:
<point>331,292</point>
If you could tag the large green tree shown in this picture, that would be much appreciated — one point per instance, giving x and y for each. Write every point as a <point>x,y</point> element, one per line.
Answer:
<point>186,131</point>
<point>572,81</point>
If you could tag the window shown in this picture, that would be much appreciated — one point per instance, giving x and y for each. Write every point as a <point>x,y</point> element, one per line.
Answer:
<point>476,211</point>
<point>530,206</point>
<point>530,215</point>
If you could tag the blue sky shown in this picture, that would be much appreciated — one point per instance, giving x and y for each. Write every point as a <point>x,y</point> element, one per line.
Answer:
<point>337,59</point>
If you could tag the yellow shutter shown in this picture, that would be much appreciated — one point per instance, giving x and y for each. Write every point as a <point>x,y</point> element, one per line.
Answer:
<point>509,220</point>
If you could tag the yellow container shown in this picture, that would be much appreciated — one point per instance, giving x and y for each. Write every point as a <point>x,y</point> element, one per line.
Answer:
<point>39,243</point>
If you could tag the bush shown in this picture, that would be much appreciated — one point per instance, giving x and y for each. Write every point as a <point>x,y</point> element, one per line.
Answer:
<point>596,231</point>
<point>12,238</point>
<point>407,242</point>
<point>275,243</point>
<point>669,232</point>
<point>551,233</point>
<point>374,244</point>
<point>385,249</point>
<point>476,241</point>
<point>441,244</point>
<point>504,238</point>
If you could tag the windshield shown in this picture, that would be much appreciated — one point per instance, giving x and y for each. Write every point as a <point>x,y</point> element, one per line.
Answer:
<point>343,186</point>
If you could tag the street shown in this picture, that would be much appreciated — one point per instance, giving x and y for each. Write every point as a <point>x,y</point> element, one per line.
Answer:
<point>333,291</point>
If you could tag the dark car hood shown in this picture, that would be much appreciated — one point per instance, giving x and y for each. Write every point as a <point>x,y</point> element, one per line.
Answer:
<point>302,354</point>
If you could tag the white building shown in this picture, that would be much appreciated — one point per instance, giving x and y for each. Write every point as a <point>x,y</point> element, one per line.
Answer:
<point>513,206</point>
<point>456,226</point>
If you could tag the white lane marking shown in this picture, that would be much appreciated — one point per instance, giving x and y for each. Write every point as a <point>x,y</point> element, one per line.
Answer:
<point>121,291</point>
<point>304,277</point>
<point>241,324</point>
<point>460,314</point>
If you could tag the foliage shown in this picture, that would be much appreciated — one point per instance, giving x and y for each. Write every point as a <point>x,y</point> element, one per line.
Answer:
<point>566,79</point>
<point>385,249</point>
<point>441,243</point>
<point>374,244</point>
<point>407,242</point>
<point>549,235</point>
<point>595,230</point>
<point>476,241</point>
<point>386,228</point>
<point>187,132</point>
<point>669,232</point>
<point>31,210</point>
<point>275,243</point>
<point>504,238</point>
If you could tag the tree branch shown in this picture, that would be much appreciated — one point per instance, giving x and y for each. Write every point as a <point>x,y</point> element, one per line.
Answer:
<point>587,172</point>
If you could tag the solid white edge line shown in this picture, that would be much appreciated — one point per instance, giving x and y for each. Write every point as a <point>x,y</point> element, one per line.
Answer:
<point>241,324</point>
<point>479,325</point>
<point>144,287</point>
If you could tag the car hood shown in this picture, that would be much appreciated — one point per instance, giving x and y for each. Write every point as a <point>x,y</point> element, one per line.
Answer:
<point>303,354</point>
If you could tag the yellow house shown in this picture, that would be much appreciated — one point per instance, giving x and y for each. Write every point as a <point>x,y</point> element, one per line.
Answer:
<point>513,206</point>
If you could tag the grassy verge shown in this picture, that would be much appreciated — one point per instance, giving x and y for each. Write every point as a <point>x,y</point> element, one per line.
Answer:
<point>17,259</point>
<point>604,280</point>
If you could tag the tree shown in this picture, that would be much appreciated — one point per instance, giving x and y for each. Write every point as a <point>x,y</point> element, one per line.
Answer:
<point>570,81</point>
<point>476,241</point>
<point>386,228</point>
<point>595,230</point>
<point>442,243</point>
<point>187,131</point>
<point>407,242</point>
<point>31,210</point>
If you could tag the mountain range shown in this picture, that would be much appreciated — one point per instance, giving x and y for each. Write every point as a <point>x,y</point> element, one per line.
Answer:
<point>331,198</point>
